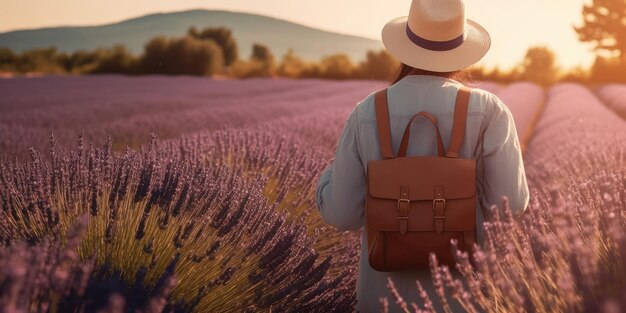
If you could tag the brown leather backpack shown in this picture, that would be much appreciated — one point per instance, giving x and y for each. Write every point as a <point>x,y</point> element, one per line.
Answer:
<point>415,205</point>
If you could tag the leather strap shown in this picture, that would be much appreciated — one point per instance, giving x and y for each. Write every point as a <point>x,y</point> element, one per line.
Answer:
<point>382,123</point>
<point>407,133</point>
<point>439,209</point>
<point>404,206</point>
<point>458,126</point>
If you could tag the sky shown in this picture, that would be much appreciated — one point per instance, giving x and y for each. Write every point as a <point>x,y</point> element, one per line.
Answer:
<point>514,25</point>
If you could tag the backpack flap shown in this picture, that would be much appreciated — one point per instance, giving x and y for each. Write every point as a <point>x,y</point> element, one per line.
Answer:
<point>453,179</point>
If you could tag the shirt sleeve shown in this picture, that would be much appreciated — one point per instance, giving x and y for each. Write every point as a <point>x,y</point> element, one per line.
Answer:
<point>342,186</point>
<point>504,173</point>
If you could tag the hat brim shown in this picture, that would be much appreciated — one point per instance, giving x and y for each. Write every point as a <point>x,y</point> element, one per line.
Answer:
<point>473,48</point>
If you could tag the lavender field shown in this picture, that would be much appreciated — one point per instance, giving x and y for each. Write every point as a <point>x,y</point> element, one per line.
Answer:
<point>189,194</point>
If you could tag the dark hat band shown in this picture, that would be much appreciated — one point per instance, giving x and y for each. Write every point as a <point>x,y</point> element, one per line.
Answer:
<point>434,45</point>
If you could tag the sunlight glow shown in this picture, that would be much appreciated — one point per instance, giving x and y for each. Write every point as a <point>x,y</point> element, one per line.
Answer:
<point>514,25</point>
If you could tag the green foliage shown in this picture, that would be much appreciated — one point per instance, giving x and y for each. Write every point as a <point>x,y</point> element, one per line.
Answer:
<point>539,66</point>
<point>262,53</point>
<point>247,69</point>
<point>314,70</point>
<point>186,55</point>
<point>604,25</point>
<point>576,75</point>
<point>606,70</point>
<point>82,61</point>
<point>495,75</point>
<point>292,66</point>
<point>261,64</point>
<point>48,60</point>
<point>223,37</point>
<point>7,59</point>
<point>214,50</point>
<point>337,66</point>
<point>38,60</point>
<point>116,60</point>
<point>378,65</point>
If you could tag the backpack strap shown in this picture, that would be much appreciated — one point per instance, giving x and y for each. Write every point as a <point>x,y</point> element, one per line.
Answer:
<point>382,123</point>
<point>460,116</point>
<point>407,133</point>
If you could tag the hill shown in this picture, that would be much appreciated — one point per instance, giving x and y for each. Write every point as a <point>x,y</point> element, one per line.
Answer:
<point>279,35</point>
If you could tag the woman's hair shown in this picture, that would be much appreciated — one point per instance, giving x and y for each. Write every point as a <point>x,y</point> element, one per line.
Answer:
<point>462,76</point>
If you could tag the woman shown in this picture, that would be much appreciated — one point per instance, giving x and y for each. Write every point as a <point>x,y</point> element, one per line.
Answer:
<point>435,43</point>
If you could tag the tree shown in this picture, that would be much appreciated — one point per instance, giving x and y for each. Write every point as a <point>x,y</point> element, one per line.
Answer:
<point>44,60</point>
<point>186,55</point>
<point>262,54</point>
<point>116,60</point>
<point>261,64</point>
<point>7,60</point>
<point>378,65</point>
<point>539,66</point>
<point>82,61</point>
<point>223,37</point>
<point>604,25</point>
<point>605,70</point>
<point>577,74</point>
<point>337,66</point>
<point>292,66</point>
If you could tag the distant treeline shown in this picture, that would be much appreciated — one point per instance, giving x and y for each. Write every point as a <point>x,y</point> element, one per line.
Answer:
<point>214,52</point>
<point>209,52</point>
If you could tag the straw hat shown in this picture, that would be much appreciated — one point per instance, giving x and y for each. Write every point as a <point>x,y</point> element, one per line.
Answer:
<point>436,36</point>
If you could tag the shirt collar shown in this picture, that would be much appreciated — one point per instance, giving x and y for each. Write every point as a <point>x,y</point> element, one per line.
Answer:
<point>424,77</point>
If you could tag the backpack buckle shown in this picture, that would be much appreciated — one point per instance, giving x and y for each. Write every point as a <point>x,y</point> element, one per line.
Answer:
<point>404,206</point>
<point>408,202</point>
<point>439,214</point>
<point>436,209</point>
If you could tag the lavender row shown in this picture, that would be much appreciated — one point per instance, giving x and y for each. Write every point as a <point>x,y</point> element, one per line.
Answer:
<point>567,253</point>
<point>525,101</point>
<point>320,128</point>
<point>577,127</point>
<point>281,167</point>
<point>130,108</point>
<point>223,238</point>
<point>614,96</point>
<point>49,277</point>
<point>576,164</point>
<point>278,159</point>
<point>292,151</point>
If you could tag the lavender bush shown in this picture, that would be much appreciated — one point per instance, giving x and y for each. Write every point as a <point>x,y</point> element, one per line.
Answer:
<point>131,108</point>
<point>526,109</point>
<point>270,172</point>
<point>49,277</point>
<point>614,96</point>
<point>567,253</point>
<point>234,249</point>
<point>219,215</point>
